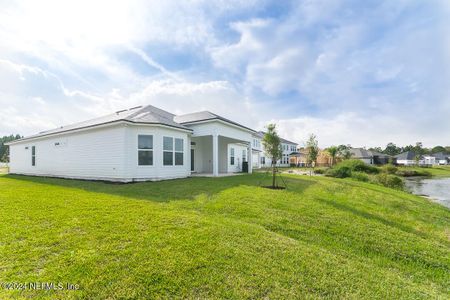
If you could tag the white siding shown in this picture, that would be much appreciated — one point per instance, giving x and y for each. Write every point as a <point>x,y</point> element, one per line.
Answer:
<point>238,157</point>
<point>134,172</point>
<point>92,154</point>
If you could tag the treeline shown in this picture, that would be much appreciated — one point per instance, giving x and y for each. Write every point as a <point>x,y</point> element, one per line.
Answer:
<point>393,149</point>
<point>4,150</point>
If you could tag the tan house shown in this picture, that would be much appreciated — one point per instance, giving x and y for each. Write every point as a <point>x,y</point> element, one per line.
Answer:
<point>300,158</point>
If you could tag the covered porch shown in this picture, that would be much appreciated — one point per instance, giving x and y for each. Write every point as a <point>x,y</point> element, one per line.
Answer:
<point>216,155</point>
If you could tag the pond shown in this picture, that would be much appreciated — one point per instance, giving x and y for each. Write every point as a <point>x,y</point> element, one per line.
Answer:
<point>437,189</point>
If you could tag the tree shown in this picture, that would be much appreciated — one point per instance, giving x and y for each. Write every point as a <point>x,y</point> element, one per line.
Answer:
<point>438,149</point>
<point>344,151</point>
<point>272,147</point>
<point>4,150</point>
<point>312,148</point>
<point>376,149</point>
<point>333,151</point>
<point>392,149</point>
<point>418,151</point>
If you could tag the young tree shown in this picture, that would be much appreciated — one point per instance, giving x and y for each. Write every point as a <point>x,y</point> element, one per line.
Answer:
<point>312,148</point>
<point>272,147</point>
<point>419,151</point>
<point>333,151</point>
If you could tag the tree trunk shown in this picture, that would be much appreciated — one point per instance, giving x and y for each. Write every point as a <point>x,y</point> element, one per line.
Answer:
<point>273,175</point>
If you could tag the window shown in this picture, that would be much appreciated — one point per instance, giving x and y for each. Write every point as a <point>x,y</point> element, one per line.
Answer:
<point>178,152</point>
<point>232,156</point>
<point>33,155</point>
<point>145,150</point>
<point>244,155</point>
<point>263,160</point>
<point>173,151</point>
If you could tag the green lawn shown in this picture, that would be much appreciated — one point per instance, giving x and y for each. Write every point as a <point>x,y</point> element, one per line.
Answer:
<point>222,238</point>
<point>435,170</point>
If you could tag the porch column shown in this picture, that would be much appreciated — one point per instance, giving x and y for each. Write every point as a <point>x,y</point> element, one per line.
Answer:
<point>250,158</point>
<point>215,140</point>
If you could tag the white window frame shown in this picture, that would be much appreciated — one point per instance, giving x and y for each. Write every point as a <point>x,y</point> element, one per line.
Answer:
<point>173,151</point>
<point>146,150</point>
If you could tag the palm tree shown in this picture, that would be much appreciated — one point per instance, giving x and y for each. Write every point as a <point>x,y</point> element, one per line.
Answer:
<point>333,151</point>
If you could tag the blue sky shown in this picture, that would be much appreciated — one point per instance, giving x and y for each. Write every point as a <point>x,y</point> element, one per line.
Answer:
<point>353,72</point>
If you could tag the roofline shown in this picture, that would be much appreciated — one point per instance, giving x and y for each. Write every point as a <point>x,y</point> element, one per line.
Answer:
<point>220,120</point>
<point>105,124</point>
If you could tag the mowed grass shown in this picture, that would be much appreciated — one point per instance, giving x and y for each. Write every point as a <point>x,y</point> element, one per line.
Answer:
<point>439,171</point>
<point>222,238</point>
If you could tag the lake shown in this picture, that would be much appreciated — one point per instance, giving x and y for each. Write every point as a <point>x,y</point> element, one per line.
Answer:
<point>438,189</point>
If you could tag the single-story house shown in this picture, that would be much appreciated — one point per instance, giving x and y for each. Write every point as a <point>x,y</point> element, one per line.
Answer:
<point>407,158</point>
<point>441,158</point>
<point>137,144</point>
<point>370,157</point>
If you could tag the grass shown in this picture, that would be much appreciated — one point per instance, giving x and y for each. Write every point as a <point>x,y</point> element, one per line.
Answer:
<point>222,238</point>
<point>438,171</point>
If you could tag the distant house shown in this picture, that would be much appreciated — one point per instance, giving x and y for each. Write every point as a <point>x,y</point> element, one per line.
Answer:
<point>300,158</point>
<point>407,158</point>
<point>287,148</point>
<point>441,158</point>
<point>370,157</point>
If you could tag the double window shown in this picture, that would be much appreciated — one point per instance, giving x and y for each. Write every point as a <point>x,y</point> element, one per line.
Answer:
<point>172,151</point>
<point>145,150</point>
<point>232,156</point>
<point>33,155</point>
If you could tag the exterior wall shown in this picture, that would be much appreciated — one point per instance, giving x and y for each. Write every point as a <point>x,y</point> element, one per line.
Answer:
<point>406,162</point>
<point>238,157</point>
<point>92,154</point>
<point>134,172</point>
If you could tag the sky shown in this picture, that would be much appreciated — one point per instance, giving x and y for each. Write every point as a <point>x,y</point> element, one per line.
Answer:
<point>354,72</point>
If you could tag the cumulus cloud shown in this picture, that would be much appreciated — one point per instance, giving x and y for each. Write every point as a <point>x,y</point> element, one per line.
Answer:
<point>351,72</point>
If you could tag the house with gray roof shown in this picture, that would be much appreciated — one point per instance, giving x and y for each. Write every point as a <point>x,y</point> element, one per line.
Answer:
<point>136,144</point>
<point>369,156</point>
<point>287,147</point>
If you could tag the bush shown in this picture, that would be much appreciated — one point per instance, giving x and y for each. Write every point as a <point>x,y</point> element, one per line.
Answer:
<point>320,171</point>
<point>358,166</point>
<point>339,172</point>
<point>389,169</point>
<point>390,181</point>
<point>411,173</point>
<point>360,176</point>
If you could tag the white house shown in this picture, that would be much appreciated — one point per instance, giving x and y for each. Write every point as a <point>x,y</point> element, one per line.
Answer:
<point>287,148</point>
<point>141,143</point>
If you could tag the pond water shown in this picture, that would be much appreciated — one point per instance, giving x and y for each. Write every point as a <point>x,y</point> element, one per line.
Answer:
<point>438,189</point>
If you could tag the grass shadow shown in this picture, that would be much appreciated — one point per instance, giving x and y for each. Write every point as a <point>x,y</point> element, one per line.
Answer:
<point>161,191</point>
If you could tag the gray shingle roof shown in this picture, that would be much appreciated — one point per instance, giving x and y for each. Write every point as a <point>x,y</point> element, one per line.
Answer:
<point>145,115</point>
<point>204,116</point>
<point>284,141</point>
<point>408,155</point>
<point>441,155</point>
<point>363,153</point>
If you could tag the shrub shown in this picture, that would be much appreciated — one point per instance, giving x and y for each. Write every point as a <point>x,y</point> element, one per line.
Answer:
<point>360,176</point>
<point>389,169</point>
<point>411,173</point>
<point>320,171</point>
<point>390,181</point>
<point>358,166</point>
<point>339,172</point>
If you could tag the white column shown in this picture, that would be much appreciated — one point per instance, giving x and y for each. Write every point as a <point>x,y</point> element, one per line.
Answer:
<point>215,149</point>
<point>250,158</point>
